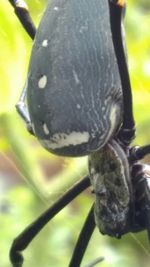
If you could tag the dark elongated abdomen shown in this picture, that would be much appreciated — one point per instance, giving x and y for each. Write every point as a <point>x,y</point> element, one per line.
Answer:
<point>74,88</point>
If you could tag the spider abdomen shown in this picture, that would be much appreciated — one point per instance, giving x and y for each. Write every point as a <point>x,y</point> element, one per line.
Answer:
<point>73,78</point>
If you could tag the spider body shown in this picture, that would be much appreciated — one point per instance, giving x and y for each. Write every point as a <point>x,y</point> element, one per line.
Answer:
<point>80,102</point>
<point>72,110</point>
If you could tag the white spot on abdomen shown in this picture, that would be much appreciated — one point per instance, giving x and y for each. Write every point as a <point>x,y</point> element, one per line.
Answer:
<point>76,78</point>
<point>42,82</point>
<point>56,8</point>
<point>60,140</point>
<point>45,129</point>
<point>45,43</point>
<point>78,106</point>
<point>113,121</point>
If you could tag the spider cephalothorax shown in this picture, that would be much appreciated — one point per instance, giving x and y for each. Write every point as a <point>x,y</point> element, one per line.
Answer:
<point>121,189</point>
<point>111,181</point>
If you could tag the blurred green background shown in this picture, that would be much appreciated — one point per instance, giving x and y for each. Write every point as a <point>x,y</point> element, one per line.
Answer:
<point>31,178</point>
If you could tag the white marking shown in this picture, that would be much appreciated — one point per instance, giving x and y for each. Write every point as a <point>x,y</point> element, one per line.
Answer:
<point>21,4</point>
<point>42,82</point>
<point>78,106</point>
<point>76,78</point>
<point>45,129</point>
<point>113,117</point>
<point>56,8</point>
<point>45,43</point>
<point>63,140</point>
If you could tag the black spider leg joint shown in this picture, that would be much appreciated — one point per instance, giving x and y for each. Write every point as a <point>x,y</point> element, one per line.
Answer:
<point>21,11</point>
<point>127,131</point>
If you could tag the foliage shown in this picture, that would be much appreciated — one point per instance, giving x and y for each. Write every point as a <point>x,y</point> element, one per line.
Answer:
<point>31,179</point>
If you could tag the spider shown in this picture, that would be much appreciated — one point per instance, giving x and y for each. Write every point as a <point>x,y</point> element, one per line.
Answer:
<point>119,181</point>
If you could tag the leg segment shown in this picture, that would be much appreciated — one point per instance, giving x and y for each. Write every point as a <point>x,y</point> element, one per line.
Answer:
<point>25,238</point>
<point>141,186</point>
<point>127,131</point>
<point>21,11</point>
<point>22,110</point>
<point>83,239</point>
<point>137,153</point>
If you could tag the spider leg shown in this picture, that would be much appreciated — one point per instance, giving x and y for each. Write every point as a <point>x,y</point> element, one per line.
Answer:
<point>25,238</point>
<point>141,184</point>
<point>23,112</point>
<point>83,239</point>
<point>145,199</point>
<point>147,217</point>
<point>127,131</point>
<point>21,11</point>
<point>138,153</point>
